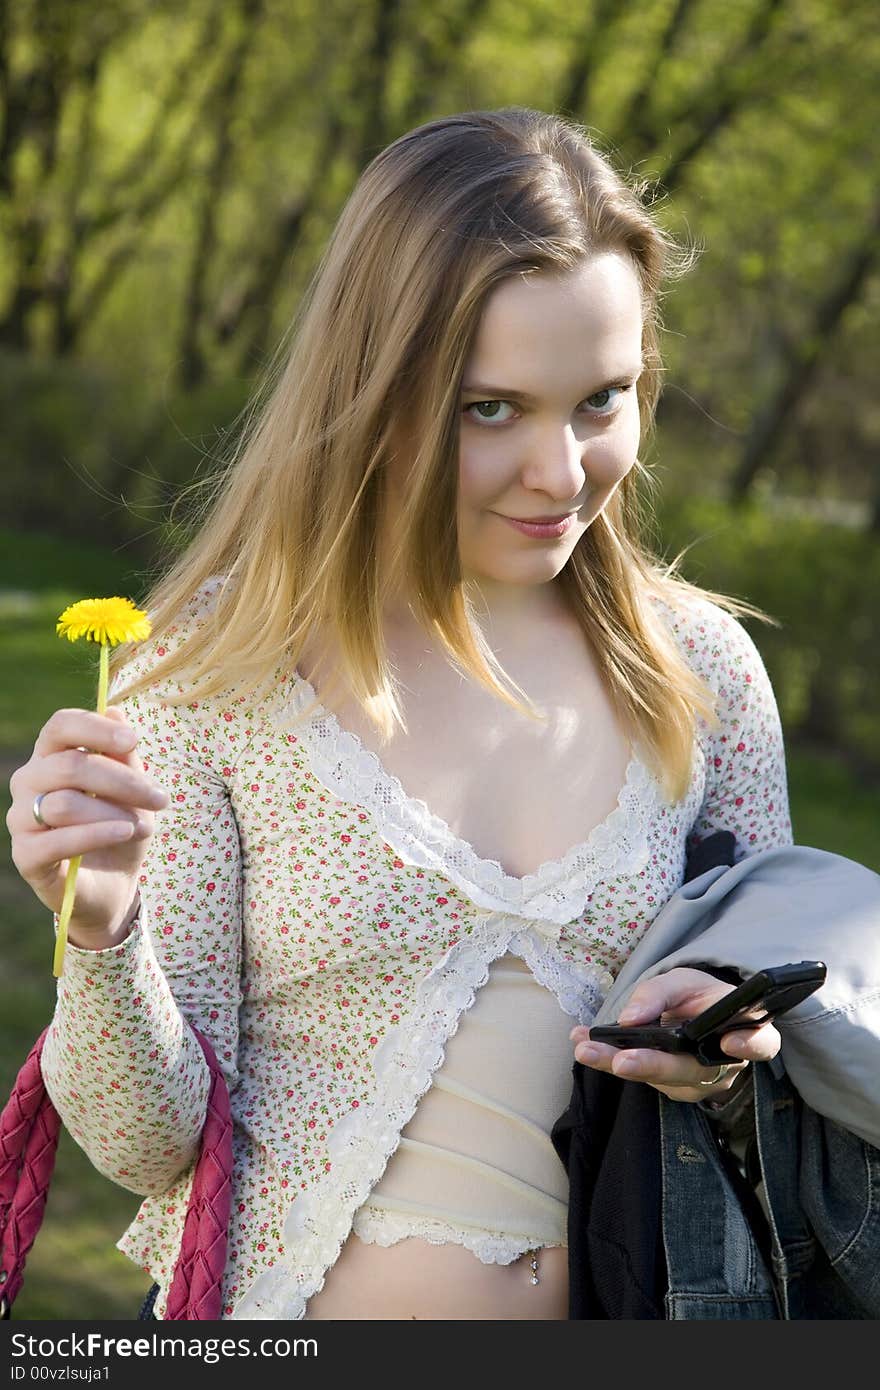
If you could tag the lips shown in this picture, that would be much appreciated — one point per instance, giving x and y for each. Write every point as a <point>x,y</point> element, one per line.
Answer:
<point>541,531</point>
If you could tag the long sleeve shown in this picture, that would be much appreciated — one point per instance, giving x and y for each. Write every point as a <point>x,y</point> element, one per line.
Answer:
<point>120,1063</point>
<point>746,788</point>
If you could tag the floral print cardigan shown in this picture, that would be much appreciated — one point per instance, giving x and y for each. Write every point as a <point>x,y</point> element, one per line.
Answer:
<point>326,932</point>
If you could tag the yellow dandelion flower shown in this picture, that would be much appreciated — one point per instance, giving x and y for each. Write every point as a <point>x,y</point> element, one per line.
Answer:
<point>104,620</point>
<point>107,622</point>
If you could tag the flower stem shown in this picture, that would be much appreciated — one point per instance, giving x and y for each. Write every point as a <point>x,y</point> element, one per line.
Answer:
<point>73,867</point>
<point>66,912</point>
<point>103,678</point>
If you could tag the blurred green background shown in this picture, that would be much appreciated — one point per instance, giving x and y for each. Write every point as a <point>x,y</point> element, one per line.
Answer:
<point>169,174</point>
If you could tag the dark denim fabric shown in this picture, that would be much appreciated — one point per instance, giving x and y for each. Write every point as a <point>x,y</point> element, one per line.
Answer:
<point>823,1190</point>
<point>820,1257</point>
<point>714,1265</point>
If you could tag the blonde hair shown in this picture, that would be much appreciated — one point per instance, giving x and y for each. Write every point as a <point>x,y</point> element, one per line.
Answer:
<point>434,223</point>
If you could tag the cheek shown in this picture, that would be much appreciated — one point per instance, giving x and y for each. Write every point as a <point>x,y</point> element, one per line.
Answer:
<point>609,458</point>
<point>479,475</point>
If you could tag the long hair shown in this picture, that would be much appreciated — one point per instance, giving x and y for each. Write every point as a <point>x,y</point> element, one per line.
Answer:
<point>292,523</point>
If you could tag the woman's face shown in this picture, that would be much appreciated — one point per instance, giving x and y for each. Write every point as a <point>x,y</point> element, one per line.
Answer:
<point>549,421</point>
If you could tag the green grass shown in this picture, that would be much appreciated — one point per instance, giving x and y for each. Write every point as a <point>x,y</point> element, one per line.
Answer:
<point>830,809</point>
<point>36,563</point>
<point>39,672</point>
<point>74,1272</point>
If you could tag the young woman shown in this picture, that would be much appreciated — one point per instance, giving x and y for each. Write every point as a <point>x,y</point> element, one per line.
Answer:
<point>411,759</point>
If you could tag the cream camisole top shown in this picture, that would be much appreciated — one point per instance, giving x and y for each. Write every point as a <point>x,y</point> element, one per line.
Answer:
<point>475,1164</point>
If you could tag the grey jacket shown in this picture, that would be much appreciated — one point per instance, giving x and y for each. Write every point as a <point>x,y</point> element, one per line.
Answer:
<point>784,904</point>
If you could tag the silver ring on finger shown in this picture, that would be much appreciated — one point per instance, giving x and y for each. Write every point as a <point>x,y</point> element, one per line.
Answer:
<point>37,813</point>
<point>720,1074</point>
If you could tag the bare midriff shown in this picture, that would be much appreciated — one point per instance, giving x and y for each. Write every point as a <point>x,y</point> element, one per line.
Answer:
<point>415,1280</point>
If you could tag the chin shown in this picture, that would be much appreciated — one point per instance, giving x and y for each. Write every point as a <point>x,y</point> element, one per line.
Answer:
<point>534,577</point>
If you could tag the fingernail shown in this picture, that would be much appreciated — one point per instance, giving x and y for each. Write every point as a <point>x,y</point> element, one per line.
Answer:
<point>586,1054</point>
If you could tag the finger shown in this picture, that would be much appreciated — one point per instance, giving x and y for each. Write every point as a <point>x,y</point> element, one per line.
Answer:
<point>38,857</point>
<point>595,1054</point>
<point>81,728</point>
<point>67,807</point>
<point>112,778</point>
<point>663,1068</point>
<point>753,1044</point>
<point>691,991</point>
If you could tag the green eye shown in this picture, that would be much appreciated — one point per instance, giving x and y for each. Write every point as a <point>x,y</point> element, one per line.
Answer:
<point>480,404</point>
<point>597,412</point>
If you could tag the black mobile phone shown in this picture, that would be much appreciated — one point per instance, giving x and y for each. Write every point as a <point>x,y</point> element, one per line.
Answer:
<point>764,995</point>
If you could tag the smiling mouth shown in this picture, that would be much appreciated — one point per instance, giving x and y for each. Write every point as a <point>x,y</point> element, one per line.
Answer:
<point>542,520</point>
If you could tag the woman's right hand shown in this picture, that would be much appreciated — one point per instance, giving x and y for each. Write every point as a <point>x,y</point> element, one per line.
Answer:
<point>99,804</point>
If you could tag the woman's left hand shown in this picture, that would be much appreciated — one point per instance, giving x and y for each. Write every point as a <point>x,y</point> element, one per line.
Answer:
<point>678,994</point>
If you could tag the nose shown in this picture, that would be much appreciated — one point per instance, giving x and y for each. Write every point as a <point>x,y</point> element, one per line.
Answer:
<point>557,466</point>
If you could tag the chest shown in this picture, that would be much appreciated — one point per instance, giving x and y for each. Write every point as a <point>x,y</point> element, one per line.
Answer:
<point>516,791</point>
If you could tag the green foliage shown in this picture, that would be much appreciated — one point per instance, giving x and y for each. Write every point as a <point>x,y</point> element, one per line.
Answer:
<point>88,454</point>
<point>822,583</point>
<point>831,807</point>
<point>145,245</point>
<point>32,562</point>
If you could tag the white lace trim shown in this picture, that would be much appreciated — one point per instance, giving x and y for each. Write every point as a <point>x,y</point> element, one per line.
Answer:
<point>386,1228</point>
<point>557,891</point>
<point>319,1220</point>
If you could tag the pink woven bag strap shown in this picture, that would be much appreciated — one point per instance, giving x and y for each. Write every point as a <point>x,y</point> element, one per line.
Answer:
<point>29,1129</point>
<point>196,1286</point>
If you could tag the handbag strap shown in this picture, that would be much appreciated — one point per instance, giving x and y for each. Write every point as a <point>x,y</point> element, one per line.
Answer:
<point>29,1130</point>
<point>196,1286</point>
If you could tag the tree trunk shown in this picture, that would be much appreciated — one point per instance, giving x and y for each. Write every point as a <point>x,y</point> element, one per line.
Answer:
<point>724,95</point>
<point>800,363</point>
<point>227,91</point>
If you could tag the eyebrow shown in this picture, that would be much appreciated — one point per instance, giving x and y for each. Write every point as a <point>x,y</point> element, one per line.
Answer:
<point>512,393</point>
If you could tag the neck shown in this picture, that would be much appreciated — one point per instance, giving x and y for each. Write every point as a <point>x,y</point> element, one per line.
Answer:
<point>506,614</point>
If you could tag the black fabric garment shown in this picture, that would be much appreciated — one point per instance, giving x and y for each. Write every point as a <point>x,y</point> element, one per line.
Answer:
<point>709,853</point>
<point>617,1267</point>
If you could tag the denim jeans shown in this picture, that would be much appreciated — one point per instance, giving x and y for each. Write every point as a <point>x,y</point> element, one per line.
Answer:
<point>817,1252</point>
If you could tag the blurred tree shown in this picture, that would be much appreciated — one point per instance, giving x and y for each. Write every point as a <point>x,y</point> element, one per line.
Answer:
<point>53,56</point>
<point>178,167</point>
<point>800,359</point>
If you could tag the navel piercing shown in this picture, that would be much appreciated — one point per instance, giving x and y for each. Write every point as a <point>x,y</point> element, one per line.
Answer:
<point>534,1264</point>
